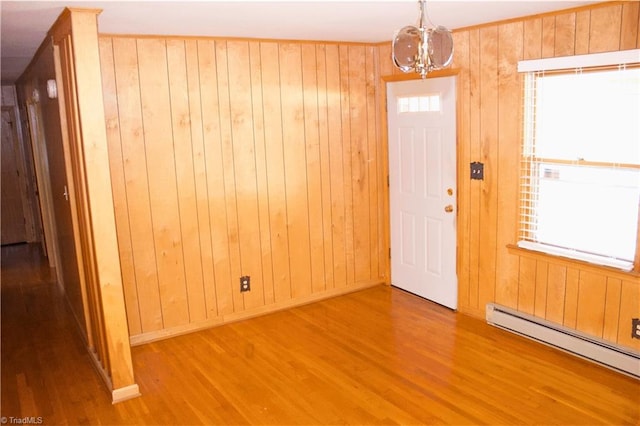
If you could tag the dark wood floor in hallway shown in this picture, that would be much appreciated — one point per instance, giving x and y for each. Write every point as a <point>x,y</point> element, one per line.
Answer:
<point>379,356</point>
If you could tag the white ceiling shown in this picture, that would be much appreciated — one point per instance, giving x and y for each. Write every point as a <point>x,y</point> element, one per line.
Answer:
<point>24,24</point>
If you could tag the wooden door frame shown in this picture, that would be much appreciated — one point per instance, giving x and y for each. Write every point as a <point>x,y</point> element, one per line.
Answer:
<point>45,195</point>
<point>393,78</point>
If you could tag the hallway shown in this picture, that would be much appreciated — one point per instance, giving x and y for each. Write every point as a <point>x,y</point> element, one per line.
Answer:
<point>44,362</point>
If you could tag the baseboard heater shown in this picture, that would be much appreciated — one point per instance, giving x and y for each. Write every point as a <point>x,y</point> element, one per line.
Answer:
<point>566,339</point>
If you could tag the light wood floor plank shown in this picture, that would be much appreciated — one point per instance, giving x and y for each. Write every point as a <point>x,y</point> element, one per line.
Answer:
<point>378,356</point>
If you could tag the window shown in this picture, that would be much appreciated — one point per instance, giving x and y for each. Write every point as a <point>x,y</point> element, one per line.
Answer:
<point>580,169</point>
<point>429,103</point>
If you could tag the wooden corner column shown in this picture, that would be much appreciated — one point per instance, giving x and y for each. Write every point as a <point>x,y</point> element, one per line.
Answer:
<point>75,39</point>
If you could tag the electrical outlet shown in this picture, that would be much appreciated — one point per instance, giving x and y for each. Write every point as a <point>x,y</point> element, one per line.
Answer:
<point>477,170</point>
<point>245,283</point>
<point>635,328</point>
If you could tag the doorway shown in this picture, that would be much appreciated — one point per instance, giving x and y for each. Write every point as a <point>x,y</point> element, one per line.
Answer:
<point>422,187</point>
<point>14,218</point>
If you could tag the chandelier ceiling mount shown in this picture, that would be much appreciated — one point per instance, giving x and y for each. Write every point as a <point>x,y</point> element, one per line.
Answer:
<point>420,49</point>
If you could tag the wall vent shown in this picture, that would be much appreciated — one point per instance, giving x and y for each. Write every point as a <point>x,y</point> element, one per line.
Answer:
<point>566,339</point>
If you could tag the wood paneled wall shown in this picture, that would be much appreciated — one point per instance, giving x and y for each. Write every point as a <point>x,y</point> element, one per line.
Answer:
<point>239,157</point>
<point>268,159</point>
<point>597,301</point>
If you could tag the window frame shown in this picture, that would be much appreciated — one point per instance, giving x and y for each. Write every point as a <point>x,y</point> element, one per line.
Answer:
<point>567,65</point>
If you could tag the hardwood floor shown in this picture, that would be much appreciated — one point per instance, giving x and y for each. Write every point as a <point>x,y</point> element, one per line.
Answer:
<point>379,356</point>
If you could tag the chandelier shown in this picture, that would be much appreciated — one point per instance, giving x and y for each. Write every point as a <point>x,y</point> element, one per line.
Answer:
<point>421,49</point>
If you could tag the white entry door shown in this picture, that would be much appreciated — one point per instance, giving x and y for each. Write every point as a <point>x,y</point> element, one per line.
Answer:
<point>422,187</point>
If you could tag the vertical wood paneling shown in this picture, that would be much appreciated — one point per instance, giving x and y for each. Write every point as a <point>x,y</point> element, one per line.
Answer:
<point>336,165</point>
<point>629,30</point>
<point>629,303</point>
<point>200,177</point>
<point>637,30</point>
<point>244,165</point>
<point>372,157</point>
<point>583,28</point>
<point>345,108</point>
<point>475,155</point>
<point>360,152</point>
<point>556,283</point>
<point>125,54</point>
<point>572,290</point>
<point>489,156</point>
<point>209,99</point>
<point>604,34</point>
<point>461,61</point>
<point>161,172</point>
<point>229,171</point>
<point>119,186</point>
<point>273,111</point>
<point>565,34</point>
<point>548,36</point>
<point>509,83</point>
<point>325,166</point>
<point>527,285</point>
<point>612,310</point>
<point>591,303</point>
<point>314,172</point>
<point>532,39</point>
<point>262,185</point>
<point>383,68</point>
<point>185,179</point>
<point>384,57</point>
<point>295,167</point>
<point>542,280</point>
<point>243,158</point>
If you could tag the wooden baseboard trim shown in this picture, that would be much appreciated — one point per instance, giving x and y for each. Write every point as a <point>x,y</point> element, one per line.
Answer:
<point>117,395</point>
<point>125,393</point>
<point>140,339</point>
<point>472,312</point>
<point>153,336</point>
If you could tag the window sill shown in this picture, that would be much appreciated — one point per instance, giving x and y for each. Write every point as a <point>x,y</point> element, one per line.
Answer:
<point>574,263</point>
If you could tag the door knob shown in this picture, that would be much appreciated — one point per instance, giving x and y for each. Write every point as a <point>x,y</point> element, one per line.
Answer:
<point>448,208</point>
